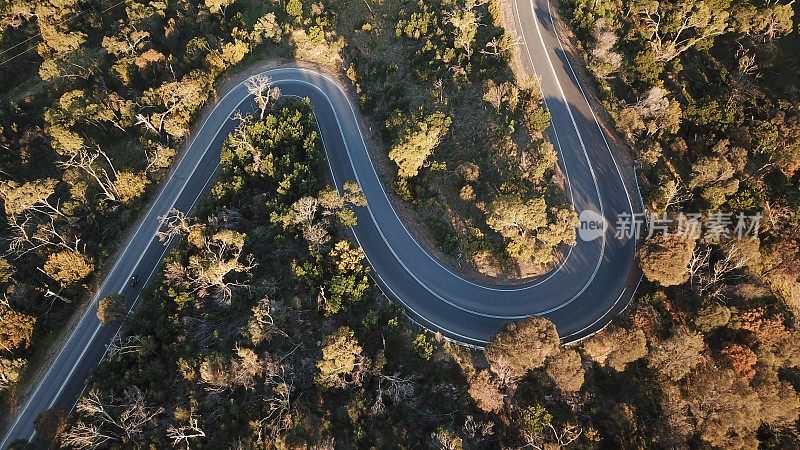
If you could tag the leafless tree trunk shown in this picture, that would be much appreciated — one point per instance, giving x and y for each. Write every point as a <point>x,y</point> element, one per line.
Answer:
<point>263,317</point>
<point>87,161</point>
<point>86,436</point>
<point>142,119</point>
<point>706,277</point>
<point>111,418</point>
<point>260,87</point>
<point>123,345</point>
<point>29,234</point>
<point>184,433</point>
<point>175,223</point>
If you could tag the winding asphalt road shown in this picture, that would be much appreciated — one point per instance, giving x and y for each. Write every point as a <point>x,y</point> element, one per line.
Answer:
<point>595,282</point>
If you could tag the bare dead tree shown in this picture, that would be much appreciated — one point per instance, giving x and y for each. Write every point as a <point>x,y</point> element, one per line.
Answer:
<point>175,223</point>
<point>305,210</point>
<point>395,387</point>
<point>50,293</point>
<point>246,368</point>
<point>747,61</point>
<point>378,407</point>
<point>86,436</point>
<point>322,299</point>
<point>136,413</point>
<point>262,322</point>
<point>123,345</point>
<point>185,433</point>
<point>143,120</point>
<point>110,418</point>
<point>562,437</point>
<point>477,430</point>
<point>707,277</point>
<point>399,388</point>
<point>734,259</point>
<point>278,404</point>
<point>239,137</point>
<point>316,234</point>
<point>501,46</point>
<point>175,273</point>
<point>89,162</point>
<point>260,87</point>
<point>33,220</point>
<point>495,93</point>
<point>675,194</point>
<point>29,233</point>
<point>697,263</point>
<point>221,256</point>
<point>304,213</point>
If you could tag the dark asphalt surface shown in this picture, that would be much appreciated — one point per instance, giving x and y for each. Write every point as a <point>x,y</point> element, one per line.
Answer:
<point>595,282</point>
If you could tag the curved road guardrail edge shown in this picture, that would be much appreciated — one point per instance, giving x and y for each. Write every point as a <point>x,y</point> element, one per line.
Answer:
<point>596,280</point>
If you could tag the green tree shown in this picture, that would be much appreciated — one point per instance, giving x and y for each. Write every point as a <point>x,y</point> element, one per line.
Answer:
<point>779,139</point>
<point>227,55</point>
<point>715,174</point>
<point>267,27</point>
<point>677,356</point>
<point>766,22</point>
<point>521,346</point>
<point>533,420</point>
<point>485,389</point>
<point>129,185</point>
<point>665,258</point>
<point>295,9</point>
<point>350,282</point>
<point>530,231</point>
<point>445,439</point>
<point>672,28</point>
<point>514,217</point>
<point>616,347</point>
<point>6,270</point>
<point>780,402</point>
<point>20,198</point>
<point>344,290</point>
<point>423,347</point>
<point>49,424</point>
<point>68,267</point>
<point>16,329</point>
<point>725,408</point>
<point>566,371</point>
<point>111,309</point>
<point>218,6</point>
<point>711,317</point>
<point>65,141</point>
<point>347,258</point>
<point>537,118</point>
<point>10,370</point>
<point>417,137</point>
<point>221,255</point>
<point>170,106</point>
<point>342,362</point>
<point>465,27</point>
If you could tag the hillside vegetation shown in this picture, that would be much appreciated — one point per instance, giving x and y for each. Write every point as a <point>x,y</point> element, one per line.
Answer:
<point>264,329</point>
